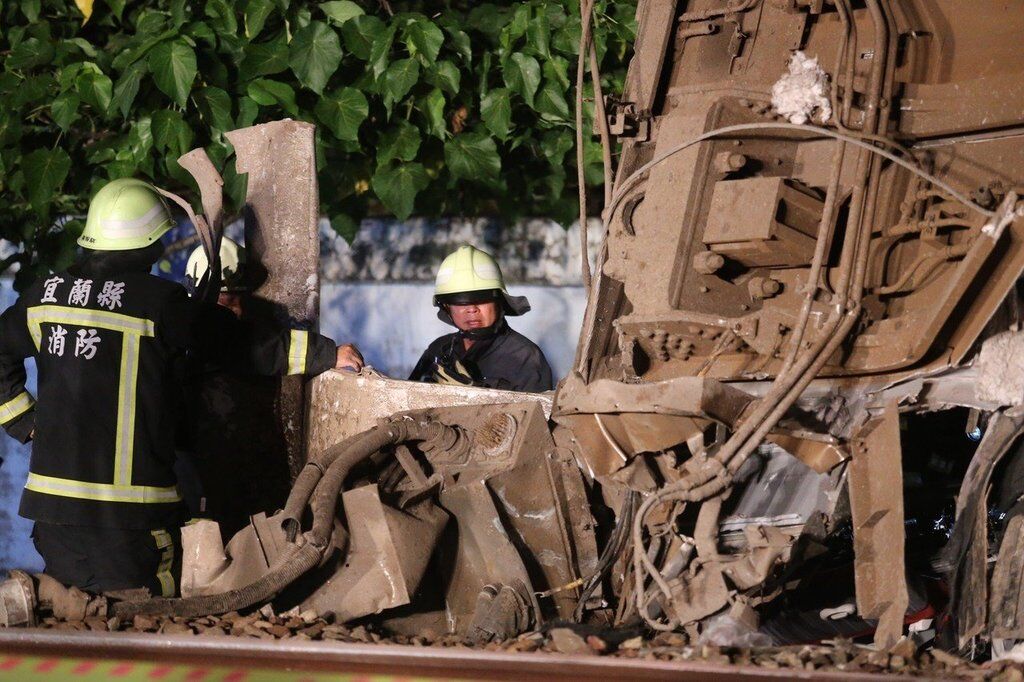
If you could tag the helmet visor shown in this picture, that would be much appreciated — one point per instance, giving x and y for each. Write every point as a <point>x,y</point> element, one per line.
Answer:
<point>469,297</point>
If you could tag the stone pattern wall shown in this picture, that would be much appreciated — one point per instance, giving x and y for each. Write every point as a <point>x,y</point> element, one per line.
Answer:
<point>537,251</point>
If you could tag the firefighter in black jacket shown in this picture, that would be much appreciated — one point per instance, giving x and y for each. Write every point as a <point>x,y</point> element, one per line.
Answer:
<point>470,295</point>
<point>105,335</point>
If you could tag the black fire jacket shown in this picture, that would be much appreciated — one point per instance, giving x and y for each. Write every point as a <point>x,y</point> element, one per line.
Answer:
<point>507,360</point>
<point>107,340</point>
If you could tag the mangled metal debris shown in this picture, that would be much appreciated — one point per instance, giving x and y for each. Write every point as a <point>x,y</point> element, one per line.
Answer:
<point>795,338</point>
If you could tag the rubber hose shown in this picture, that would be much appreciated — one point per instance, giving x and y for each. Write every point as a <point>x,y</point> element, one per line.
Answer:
<point>309,479</point>
<point>288,567</point>
<point>292,564</point>
<point>303,487</point>
<point>324,499</point>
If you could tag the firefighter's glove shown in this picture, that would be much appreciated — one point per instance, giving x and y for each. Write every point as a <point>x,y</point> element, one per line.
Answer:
<point>452,373</point>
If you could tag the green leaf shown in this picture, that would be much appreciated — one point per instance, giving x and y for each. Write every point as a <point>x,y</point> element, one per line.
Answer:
<point>433,107</point>
<point>399,79</point>
<point>268,93</point>
<point>200,31</point>
<point>171,133</point>
<point>34,90</point>
<point>222,16</point>
<point>567,39</point>
<point>117,7</point>
<point>380,51</point>
<point>314,55</point>
<point>551,101</point>
<point>496,111</point>
<point>65,77</point>
<point>235,186</point>
<point>472,156</point>
<point>30,8</point>
<point>516,28</point>
<point>538,36</point>
<point>151,19</point>
<point>424,38</point>
<point>522,75</point>
<point>256,13</point>
<point>95,89</point>
<point>248,110</point>
<point>460,43</point>
<point>446,76</point>
<point>340,11</point>
<point>345,226</point>
<point>174,68</point>
<point>303,15</point>
<point>397,187</point>
<point>488,18</point>
<point>215,106</point>
<point>554,144</point>
<point>146,43</point>
<point>264,59</point>
<point>87,48</point>
<point>401,141</point>
<point>177,12</point>
<point>29,54</point>
<point>361,35</point>
<point>64,110</point>
<point>45,171</point>
<point>140,139</point>
<point>343,111</point>
<point>557,70</point>
<point>127,87</point>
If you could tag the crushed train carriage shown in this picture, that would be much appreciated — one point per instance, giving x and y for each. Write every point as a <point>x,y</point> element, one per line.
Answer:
<point>804,315</point>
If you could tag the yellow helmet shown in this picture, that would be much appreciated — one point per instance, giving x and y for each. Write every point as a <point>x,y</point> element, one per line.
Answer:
<point>232,266</point>
<point>470,275</point>
<point>125,214</point>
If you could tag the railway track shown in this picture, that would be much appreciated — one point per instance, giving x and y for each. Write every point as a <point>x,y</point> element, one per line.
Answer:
<point>28,654</point>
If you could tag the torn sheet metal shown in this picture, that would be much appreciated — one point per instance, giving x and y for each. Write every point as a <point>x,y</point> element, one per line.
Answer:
<point>388,553</point>
<point>381,567</point>
<point>785,493</point>
<point>613,421</point>
<point>1006,609</point>
<point>967,551</point>
<point>513,495</point>
<point>876,501</point>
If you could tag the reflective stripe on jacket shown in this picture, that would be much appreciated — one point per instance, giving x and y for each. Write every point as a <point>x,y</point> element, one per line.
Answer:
<point>106,348</point>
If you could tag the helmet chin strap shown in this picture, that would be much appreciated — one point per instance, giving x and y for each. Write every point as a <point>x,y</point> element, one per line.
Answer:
<point>482,333</point>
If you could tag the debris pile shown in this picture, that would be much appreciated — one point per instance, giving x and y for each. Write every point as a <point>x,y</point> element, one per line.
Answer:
<point>838,655</point>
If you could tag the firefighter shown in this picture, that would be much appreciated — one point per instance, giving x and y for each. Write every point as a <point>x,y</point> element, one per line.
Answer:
<point>228,483</point>
<point>233,286</point>
<point>105,335</point>
<point>470,295</point>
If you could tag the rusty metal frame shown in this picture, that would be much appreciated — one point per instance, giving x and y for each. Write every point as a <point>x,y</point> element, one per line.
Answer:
<point>876,501</point>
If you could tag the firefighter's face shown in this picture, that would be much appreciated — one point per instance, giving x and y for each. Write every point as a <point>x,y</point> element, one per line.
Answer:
<point>232,301</point>
<point>474,315</point>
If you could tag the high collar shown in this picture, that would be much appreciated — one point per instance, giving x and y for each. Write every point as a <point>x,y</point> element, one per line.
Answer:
<point>485,333</point>
<point>107,263</point>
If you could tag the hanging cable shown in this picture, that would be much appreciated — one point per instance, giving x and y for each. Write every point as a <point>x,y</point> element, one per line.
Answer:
<point>855,140</point>
<point>587,13</point>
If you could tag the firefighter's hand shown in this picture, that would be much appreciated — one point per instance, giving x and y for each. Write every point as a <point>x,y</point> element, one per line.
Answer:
<point>452,374</point>
<point>349,357</point>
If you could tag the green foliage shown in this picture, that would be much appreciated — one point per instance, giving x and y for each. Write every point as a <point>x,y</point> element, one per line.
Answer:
<point>449,107</point>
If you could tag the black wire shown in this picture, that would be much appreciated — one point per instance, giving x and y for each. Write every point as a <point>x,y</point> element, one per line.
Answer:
<point>616,543</point>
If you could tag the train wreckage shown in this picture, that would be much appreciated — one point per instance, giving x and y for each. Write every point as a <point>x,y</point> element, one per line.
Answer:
<point>799,386</point>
